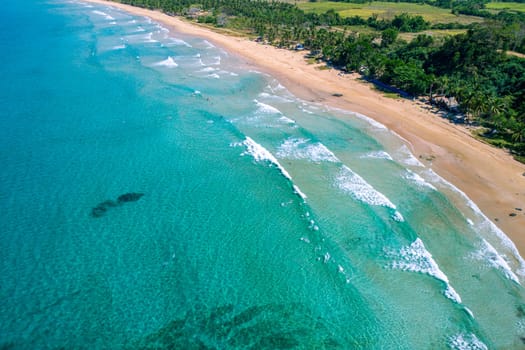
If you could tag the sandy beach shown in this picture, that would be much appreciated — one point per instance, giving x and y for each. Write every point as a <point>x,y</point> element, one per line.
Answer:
<point>487,175</point>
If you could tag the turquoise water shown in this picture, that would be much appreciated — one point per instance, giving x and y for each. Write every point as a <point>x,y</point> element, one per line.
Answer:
<point>157,193</point>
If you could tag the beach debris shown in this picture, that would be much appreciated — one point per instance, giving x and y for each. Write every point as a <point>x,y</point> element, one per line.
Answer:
<point>101,208</point>
<point>337,94</point>
<point>513,214</point>
<point>518,209</point>
<point>428,158</point>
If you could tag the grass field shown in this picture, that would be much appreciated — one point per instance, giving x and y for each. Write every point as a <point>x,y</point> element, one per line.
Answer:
<point>436,34</point>
<point>387,10</point>
<point>512,6</point>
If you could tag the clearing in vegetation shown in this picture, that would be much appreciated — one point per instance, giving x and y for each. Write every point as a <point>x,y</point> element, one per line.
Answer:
<point>509,6</point>
<point>388,10</point>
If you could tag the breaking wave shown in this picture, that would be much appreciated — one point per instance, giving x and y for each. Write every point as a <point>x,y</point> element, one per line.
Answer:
<point>416,258</point>
<point>299,148</point>
<point>352,183</point>
<point>169,62</point>
<point>462,341</point>
<point>260,154</point>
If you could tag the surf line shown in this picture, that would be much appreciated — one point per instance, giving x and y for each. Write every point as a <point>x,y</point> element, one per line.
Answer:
<point>259,154</point>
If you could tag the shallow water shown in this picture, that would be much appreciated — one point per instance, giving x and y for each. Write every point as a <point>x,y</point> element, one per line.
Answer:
<point>258,220</point>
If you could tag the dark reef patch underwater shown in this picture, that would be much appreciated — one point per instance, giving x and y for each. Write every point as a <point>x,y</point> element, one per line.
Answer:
<point>102,207</point>
<point>270,326</point>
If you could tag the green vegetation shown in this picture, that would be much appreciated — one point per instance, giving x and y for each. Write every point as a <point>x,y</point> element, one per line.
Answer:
<point>387,93</point>
<point>509,6</point>
<point>470,68</point>
<point>436,34</point>
<point>388,10</point>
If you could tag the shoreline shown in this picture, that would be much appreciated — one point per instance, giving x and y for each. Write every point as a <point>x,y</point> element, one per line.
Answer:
<point>489,176</point>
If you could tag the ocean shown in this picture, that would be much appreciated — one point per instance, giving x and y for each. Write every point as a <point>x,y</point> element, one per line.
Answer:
<point>157,192</point>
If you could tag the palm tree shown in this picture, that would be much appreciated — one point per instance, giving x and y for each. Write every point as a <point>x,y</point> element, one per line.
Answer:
<point>477,105</point>
<point>518,134</point>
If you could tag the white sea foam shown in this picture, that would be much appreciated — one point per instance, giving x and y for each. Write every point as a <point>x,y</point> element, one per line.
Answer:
<point>141,38</point>
<point>281,96</point>
<point>352,183</point>
<point>216,61</point>
<point>487,253</point>
<point>177,42</point>
<point>487,225</point>
<point>307,111</point>
<point>452,294</point>
<point>462,341</point>
<point>377,155</point>
<point>408,157</point>
<point>299,148</point>
<point>119,47</point>
<point>163,29</point>
<point>148,38</point>
<point>208,44</point>
<point>305,240</point>
<point>214,76</point>
<point>505,241</point>
<point>225,72</point>
<point>370,121</point>
<point>416,258</point>
<point>311,106</point>
<point>429,173</point>
<point>199,62</point>
<point>398,217</point>
<point>299,192</point>
<point>279,87</point>
<point>343,272</point>
<point>169,62</point>
<point>259,154</point>
<point>103,14</point>
<point>207,70</point>
<point>287,120</point>
<point>418,180</point>
<point>266,108</point>
<point>520,326</point>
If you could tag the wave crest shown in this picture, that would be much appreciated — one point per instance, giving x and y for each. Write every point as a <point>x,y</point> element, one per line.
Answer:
<point>169,62</point>
<point>416,258</point>
<point>299,148</point>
